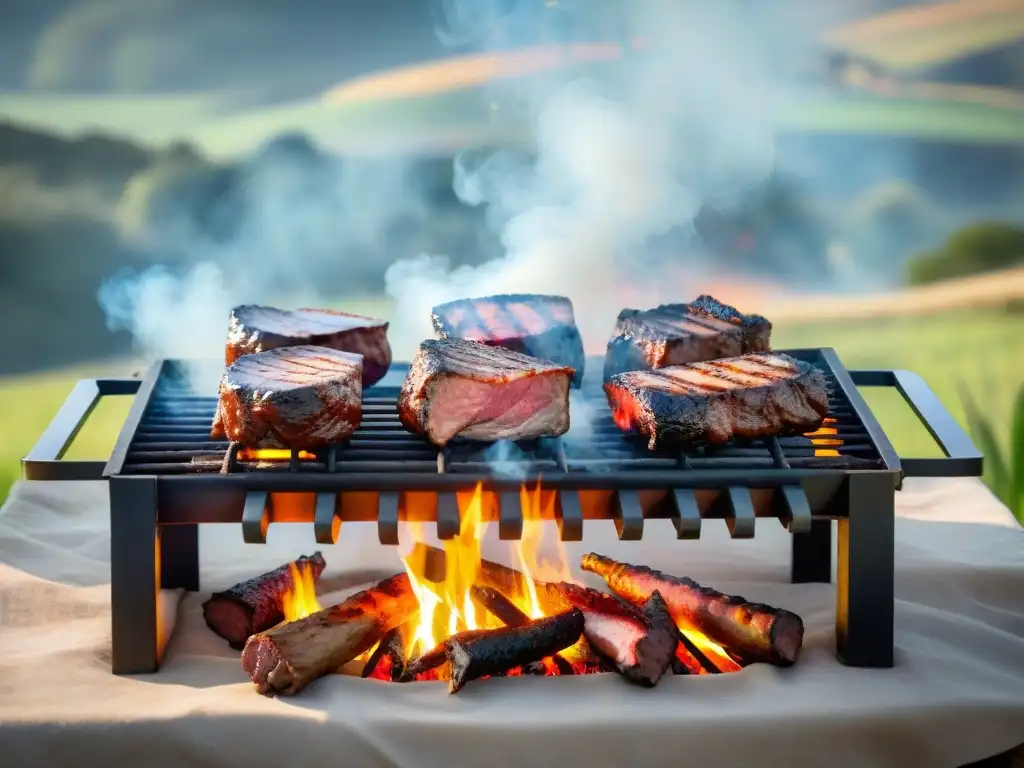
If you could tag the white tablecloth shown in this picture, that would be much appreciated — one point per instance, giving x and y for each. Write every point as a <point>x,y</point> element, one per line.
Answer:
<point>955,695</point>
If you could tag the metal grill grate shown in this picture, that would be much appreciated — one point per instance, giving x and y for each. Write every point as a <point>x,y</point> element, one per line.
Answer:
<point>173,438</point>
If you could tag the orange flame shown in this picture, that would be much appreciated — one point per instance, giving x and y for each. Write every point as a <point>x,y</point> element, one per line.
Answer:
<point>300,600</point>
<point>271,454</point>
<point>817,439</point>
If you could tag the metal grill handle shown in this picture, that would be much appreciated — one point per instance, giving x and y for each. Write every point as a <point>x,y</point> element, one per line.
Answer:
<point>963,459</point>
<point>43,462</point>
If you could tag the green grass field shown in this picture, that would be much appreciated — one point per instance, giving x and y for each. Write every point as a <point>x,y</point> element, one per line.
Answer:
<point>981,350</point>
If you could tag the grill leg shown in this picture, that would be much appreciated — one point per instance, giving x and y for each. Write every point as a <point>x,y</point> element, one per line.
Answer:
<point>179,557</point>
<point>134,575</point>
<point>812,554</point>
<point>865,573</point>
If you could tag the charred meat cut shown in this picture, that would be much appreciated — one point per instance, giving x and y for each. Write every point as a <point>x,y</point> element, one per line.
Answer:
<point>536,325</point>
<point>745,397</point>
<point>464,388</point>
<point>256,329</point>
<point>677,334</point>
<point>292,397</point>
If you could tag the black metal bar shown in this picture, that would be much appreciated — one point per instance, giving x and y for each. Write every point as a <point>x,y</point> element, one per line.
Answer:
<point>43,461</point>
<point>326,523</point>
<point>734,506</point>
<point>569,515</point>
<point>685,513</point>
<point>812,554</point>
<point>179,557</point>
<point>862,411</point>
<point>388,508</point>
<point>510,516</point>
<point>792,508</point>
<point>628,512</point>
<point>865,573</point>
<point>411,481</point>
<point>134,576</point>
<point>256,517</point>
<point>963,459</point>
<point>448,519</point>
<point>143,394</point>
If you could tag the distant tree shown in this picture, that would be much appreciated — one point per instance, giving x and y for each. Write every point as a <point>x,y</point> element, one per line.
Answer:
<point>888,224</point>
<point>981,247</point>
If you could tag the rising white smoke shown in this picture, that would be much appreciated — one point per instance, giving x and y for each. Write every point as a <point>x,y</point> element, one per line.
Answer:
<point>622,155</point>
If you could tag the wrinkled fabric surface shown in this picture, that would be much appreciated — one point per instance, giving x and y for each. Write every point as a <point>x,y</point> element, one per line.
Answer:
<point>956,693</point>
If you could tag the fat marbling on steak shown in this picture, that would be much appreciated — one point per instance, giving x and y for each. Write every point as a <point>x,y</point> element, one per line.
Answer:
<point>464,388</point>
<point>534,324</point>
<point>300,397</point>
<point>749,396</point>
<point>677,334</point>
<point>254,328</point>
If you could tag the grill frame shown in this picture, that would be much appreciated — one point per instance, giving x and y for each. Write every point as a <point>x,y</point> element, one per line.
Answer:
<point>155,516</point>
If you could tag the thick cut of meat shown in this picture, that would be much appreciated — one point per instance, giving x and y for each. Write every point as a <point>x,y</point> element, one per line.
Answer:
<point>536,325</point>
<point>300,397</point>
<point>746,397</point>
<point>677,334</point>
<point>256,329</point>
<point>456,387</point>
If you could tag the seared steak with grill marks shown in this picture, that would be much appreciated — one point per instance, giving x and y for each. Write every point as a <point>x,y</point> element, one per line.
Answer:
<point>677,334</point>
<point>536,325</point>
<point>256,329</point>
<point>746,397</point>
<point>300,397</point>
<point>464,388</point>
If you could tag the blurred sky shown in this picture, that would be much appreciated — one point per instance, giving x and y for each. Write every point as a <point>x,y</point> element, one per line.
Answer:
<point>133,45</point>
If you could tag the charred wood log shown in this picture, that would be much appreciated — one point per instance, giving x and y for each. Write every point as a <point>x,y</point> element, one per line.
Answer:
<point>495,652</point>
<point>503,649</point>
<point>257,604</point>
<point>387,662</point>
<point>288,657</point>
<point>753,631</point>
<point>503,609</point>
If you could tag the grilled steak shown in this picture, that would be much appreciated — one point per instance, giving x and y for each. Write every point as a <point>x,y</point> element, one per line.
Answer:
<point>677,334</point>
<point>538,326</point>
<point>458,387</point>
<point>300,397</point>
<point>257,329</point>
<point>746,397</point>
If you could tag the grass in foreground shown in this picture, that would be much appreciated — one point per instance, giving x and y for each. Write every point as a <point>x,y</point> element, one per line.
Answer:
<point>977,350</point>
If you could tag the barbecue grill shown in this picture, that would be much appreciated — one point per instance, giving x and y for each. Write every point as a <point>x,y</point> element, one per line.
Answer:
<point>167,477</point>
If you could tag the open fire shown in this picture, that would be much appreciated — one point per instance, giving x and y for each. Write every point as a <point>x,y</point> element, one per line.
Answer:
<point>453,616</point>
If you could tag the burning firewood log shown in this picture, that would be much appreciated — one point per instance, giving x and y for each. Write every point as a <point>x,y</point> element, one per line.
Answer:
<point>500,578</point>
<point>494,652</point>
<point>503,609</point>
<point>640,645</point>
<point>288,657</point>
<point>387,662</point>
<point>752,631</point>
<point>257,604</point>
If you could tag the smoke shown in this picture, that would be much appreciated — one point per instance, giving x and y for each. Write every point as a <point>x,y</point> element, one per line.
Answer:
<point>621,155</point>
<point>289,226</point>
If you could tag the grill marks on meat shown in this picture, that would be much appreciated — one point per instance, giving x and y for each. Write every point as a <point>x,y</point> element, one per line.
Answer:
<point>299,397</point>
<point>479,392</point>
<point>254,328</point>
<point>533,324</point>
<point>745,397</point>
<point>677,334</point>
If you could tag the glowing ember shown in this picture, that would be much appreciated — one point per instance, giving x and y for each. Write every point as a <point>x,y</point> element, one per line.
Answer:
<point>271,454</point>
<point>300,601</point>
<point>819,437</point>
